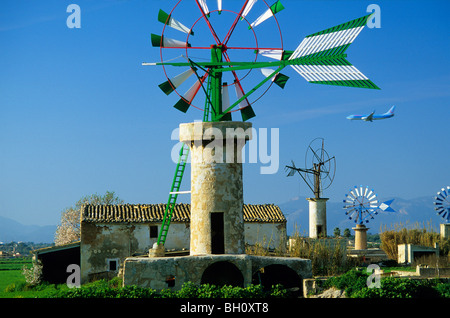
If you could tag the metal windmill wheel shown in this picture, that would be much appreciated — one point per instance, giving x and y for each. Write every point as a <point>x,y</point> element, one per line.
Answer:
<point>361,204</point>
<point>442,203</point>
<point>222,48</point>
<point>319,168</point>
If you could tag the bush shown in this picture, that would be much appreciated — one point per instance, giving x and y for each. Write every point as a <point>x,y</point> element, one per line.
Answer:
<point>355,285</point>
<point>351,282</point>
<point>104,289</point>
<point>393,287</point>
<point>408,234</point>
<point>33,275</point>
<point>443,289</point>
<point>16,287</point>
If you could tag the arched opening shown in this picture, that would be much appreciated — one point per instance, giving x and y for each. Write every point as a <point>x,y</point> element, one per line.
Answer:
<point>279,274</point>
<point>223,273</point>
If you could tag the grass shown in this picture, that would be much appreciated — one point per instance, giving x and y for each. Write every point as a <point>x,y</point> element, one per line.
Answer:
<point>11,273</point>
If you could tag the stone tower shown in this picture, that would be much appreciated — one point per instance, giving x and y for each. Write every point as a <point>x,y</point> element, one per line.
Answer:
<point>217,225</point>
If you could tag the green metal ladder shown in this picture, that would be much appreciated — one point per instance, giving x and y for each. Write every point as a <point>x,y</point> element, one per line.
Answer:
<point>178,177</point>
<point>174,191</point>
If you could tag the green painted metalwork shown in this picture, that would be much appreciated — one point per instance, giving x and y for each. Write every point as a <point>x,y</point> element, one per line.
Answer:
<point>176,183</point>
<point>315,56</point>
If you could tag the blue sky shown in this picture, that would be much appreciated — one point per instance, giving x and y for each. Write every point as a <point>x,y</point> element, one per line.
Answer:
<point>81,115</point>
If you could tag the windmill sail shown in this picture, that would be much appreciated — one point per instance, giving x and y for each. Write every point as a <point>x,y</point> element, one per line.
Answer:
<point>274,9</point>
<point>164,41</point>
<point>247,9</point>
<point>186,100</point>
<point>203,6</point>
<point>170,85</point>
<point>321,60</point>
<point>167,19</point>
<point>246,110</point>
<point>279,79</point>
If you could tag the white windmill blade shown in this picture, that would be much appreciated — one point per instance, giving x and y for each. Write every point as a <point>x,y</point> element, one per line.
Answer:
<point>164,41</point>
<point>203,6</point>
<point>225,97</point>
<point>276,54</point>
<point>219,5</point>
<point>239,95</point>
<point>171,84</point>
<point>247,9</point>
<point>186,100</point>
<point>365,191</point>
<point>274,9</point>
<point>167,19</point>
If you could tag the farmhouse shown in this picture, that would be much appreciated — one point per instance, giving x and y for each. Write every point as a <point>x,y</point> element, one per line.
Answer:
<point>111,233</point>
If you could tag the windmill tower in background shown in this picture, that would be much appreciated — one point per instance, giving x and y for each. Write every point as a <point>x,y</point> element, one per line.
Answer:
<point>318,177</point>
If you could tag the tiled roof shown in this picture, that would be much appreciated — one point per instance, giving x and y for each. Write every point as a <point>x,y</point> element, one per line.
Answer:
<point>144,213</point>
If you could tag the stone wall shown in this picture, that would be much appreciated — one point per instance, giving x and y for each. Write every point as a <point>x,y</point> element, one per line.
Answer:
<point>163,272</point>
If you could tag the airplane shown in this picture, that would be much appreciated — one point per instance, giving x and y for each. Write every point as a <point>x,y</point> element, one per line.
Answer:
<point>372,117</point>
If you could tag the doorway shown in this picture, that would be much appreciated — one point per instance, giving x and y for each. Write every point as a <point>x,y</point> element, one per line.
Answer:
<point>217,233</point>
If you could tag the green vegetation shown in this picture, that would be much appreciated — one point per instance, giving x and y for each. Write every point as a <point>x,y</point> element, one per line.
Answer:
<point>113,289</point>
<point>13,284</point>
<point>355,285</point>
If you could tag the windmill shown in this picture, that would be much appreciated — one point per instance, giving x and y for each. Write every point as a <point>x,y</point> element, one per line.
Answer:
<point>442,204</point>
<point>322,167</point>
<point>361,205</point>
<point>442,207</point>
<point>218,51</point>
<point>318,176</point>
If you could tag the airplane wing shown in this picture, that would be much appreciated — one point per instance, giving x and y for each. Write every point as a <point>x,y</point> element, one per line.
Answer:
<point>369,118</point>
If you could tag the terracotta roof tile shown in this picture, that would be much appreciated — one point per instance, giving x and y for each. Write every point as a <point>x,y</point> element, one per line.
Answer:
<point>144,213</point>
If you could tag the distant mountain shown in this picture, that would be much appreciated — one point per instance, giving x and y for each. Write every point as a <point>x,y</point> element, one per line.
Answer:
<point>11,230</point>
<point>418,210</point>
<point>296,210</point>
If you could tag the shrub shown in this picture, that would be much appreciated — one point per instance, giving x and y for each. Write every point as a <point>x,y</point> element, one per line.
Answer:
<point>351,282</point>
<point>104,289</point>
<point>394,287</point>
<point>407,234</point>
<point>33,275</point>
<point>443,289</point>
